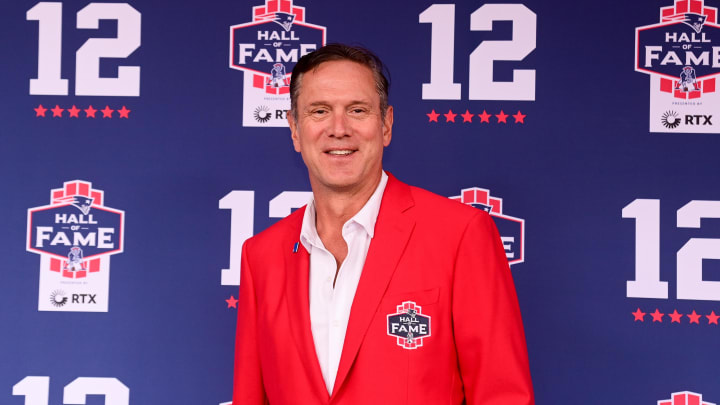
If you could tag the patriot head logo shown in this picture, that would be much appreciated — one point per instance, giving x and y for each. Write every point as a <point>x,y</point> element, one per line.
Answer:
<point>512,229</point>
<point>285,20</point>
<point>684,398</point>
<point>408,325</point>
<point>83,203</point>
<point>679,49</point>
<point>75,235</point>
<point>695,21</point>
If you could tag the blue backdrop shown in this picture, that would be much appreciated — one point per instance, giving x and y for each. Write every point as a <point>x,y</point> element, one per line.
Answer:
<point>157,129</point>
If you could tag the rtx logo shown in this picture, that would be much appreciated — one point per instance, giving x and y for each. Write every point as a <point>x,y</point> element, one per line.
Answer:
<point>84,298</point>
<point>58,298</point>
<point>672,120</point>
<point>698,119</point>
<point>262,114</point>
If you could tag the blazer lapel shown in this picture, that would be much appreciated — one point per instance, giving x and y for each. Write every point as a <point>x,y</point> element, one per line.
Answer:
<point>392,232</point>
<point>297,287</point>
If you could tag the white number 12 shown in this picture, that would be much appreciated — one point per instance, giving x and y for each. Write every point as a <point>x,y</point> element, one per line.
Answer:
<point>36,390</point>
<point>87,59</point>
<point>480,83</point>
<point>690,283</point>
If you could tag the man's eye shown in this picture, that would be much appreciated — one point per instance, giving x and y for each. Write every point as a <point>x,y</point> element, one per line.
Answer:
<point>358,110</point>
<point>319,112</point>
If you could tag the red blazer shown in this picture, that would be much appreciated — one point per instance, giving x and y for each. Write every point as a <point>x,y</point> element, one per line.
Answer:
<point>442,256</point>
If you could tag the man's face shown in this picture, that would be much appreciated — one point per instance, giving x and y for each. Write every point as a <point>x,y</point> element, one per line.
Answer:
<point>339,129</point>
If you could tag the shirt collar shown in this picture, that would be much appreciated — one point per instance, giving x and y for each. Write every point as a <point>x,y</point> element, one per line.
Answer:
<point>366,217</point>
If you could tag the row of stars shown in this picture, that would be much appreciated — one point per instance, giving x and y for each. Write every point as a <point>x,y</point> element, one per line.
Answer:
<point>657,316</point>
<point>74,112</point>
<point>694,317</point>
<point>484,117</point>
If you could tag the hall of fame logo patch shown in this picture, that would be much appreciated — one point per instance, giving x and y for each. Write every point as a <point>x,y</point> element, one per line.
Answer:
<point>266,50</point>
<point>75,236</point>
<point>681,55</point>
<point>408,325</point>
<point>512,229</point>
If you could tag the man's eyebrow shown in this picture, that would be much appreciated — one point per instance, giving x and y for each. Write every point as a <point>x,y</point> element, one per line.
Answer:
<point>353,102</point>
<point>365,102</point>
<point>318,103</point>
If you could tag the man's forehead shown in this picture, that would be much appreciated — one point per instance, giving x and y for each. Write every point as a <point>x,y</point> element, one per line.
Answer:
<point>345,69</point>
<point>343,64</point>
<point>340,79</point>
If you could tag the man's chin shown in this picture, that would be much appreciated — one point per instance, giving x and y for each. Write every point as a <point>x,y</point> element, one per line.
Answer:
<point>342,184</point>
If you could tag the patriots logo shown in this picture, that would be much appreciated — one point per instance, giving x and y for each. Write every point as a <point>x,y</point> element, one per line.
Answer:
<point>285,20</point>
<point>277,76</point>
<point>82,203</point>
<point>75,260</point>
<point>695,21</point>
<point>484,207</point>
<point>687,80</point>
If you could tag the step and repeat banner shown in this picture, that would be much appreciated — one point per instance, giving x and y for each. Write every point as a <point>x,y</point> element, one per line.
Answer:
<point>141,142</point>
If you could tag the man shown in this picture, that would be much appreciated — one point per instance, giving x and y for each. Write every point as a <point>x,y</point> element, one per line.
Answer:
<point>376,292</point>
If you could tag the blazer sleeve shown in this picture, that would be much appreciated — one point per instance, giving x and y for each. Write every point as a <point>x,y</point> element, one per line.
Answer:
<point>248,386</point>
<point>487,325</point>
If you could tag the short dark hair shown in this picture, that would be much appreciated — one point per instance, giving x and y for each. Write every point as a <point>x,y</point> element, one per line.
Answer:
<point>333,52</point>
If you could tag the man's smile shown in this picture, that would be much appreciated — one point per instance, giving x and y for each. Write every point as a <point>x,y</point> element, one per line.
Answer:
<point>341,152</point>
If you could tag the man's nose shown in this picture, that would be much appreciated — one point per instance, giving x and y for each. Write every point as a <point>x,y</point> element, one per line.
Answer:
<point>340,125</point>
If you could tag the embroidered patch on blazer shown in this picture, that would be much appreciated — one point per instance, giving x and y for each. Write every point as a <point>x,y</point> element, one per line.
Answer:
<point>408,325</point>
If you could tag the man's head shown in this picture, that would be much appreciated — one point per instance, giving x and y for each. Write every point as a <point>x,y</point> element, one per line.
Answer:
<point>334,52</point>
<point>340,120</point>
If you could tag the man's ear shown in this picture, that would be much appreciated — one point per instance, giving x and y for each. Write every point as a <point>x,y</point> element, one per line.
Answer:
<point>387,126</point>
<point>293,130</point>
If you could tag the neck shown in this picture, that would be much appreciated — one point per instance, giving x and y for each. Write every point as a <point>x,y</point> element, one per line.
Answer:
<point>335,207</point>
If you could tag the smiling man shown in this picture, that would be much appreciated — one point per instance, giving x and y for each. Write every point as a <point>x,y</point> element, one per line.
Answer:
<point>376,292</point>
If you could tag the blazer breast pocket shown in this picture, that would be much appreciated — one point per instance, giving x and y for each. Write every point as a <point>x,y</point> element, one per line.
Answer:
<point>420,298</point>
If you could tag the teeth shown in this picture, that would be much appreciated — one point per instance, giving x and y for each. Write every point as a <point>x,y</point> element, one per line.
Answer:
<point>340,152</point>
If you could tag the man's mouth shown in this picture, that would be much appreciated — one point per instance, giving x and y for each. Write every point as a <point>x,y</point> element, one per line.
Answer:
<point>340,152</point>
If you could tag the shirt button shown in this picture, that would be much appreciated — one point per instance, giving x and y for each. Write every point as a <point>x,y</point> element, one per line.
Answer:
<point>335,324</point>
<point>329,280</point>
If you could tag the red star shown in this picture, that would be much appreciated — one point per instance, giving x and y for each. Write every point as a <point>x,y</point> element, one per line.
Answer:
<point>74,111</point>
<point>502,117</point>
<point>519,117</point>
<point>57,111</point>
<point>657,315</point>
<point>639,315</point>
<point>433,116</point>
<point>484,117</point>
<point>232,302</point>
<point>124,112</point>
<point>40,111</point>
<point>450,116</point>
<point>712,318</point>
<point>107,112</point>
<point>90,112</point>
<point>467,117</point>
<point>675,316</point>
<point>694,317</point>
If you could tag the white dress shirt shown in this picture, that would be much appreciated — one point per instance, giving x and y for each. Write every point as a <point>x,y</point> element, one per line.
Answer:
<point>330,307</point>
